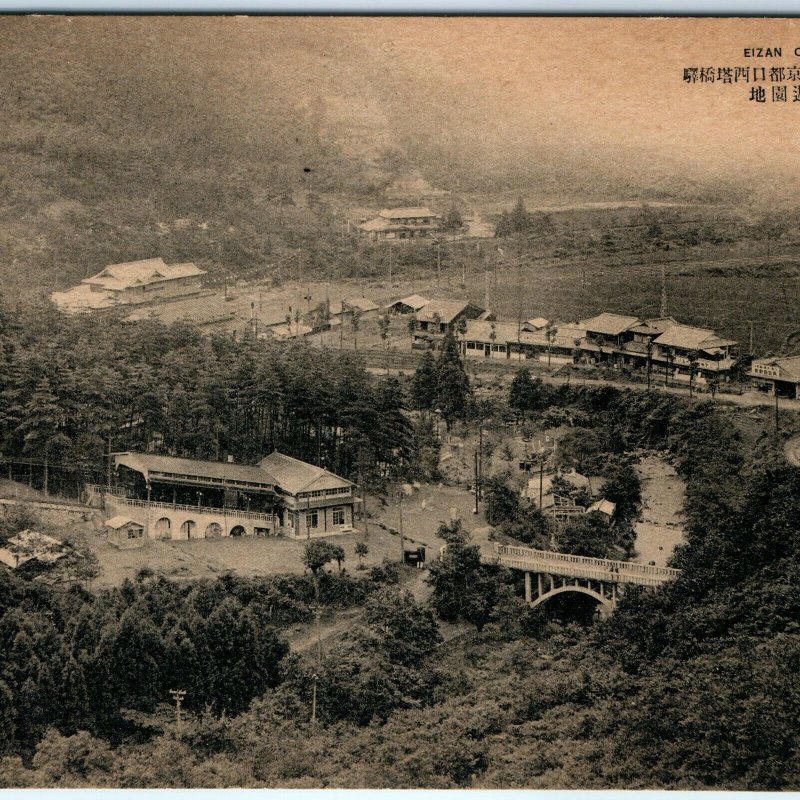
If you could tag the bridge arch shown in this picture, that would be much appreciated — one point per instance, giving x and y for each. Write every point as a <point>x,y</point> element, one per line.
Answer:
<point>606,605</point>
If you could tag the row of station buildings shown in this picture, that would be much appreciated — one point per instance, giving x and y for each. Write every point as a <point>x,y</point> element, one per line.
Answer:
<point>676,350</point>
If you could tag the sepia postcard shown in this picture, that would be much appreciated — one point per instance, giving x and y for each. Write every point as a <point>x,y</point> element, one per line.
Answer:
<point>399,402</point>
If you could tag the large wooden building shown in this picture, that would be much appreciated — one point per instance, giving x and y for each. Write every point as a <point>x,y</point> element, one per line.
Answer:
<point>182,498</point>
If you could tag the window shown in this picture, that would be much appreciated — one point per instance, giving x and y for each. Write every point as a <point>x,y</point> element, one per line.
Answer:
<point>338,516</point>
<point>135,533</point>
<point>312,519</point>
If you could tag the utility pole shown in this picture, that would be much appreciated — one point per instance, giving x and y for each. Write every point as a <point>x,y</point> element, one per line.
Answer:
<point>402,535</point>
<point>438,263</point>
<point>317,670</point>
<point>463,274</point>
<point>480,460</point>
<point>541,480</point>
<point>649,361</point>
<point>777,421</point>
<point>476,482</point>
<point>341,326</point>
<point>108,467</point>
<point>486,289</point>
<point>663,289</point>
<point>750,323</point>
<point>177,696</point>
<point>390,266</point>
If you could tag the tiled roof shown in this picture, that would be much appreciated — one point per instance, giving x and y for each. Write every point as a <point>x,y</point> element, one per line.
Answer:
<point>447,310</point>
<point>610,324</point>
<point>788,367</point>
<point>132,273</point>
<point>405,213</point>
<point>119,521</point>
<point>361,303</point>
<point>194,468</point>
<point>294,476</point>
<point>537,322</point>
<point>687,337</point>
<point>481,331</point>
<point>414,301</point>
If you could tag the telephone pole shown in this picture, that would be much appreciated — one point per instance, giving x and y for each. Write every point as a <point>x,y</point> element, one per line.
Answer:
<point>476,482</point>
<point>177,696</point>
<point>750,323</point>
<point>663,289</point>
<point>402,535</point>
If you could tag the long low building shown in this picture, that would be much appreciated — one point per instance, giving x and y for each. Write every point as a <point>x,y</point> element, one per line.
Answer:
<point>182,498</point>
<point>678,352</point>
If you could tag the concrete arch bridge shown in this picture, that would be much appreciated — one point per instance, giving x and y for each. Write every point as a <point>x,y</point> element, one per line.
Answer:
<point>602,579</point>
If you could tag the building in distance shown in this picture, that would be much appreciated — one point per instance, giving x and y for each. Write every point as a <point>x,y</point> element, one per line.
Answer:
<point>408,305</point>
<point>131,283</point>
<point>401,224</point>
<point>440,317</point>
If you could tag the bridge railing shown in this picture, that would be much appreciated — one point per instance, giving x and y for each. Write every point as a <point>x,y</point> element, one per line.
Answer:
<point>526,558</point>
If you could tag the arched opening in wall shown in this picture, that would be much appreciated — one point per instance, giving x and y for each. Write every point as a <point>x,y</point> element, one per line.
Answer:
<point>164,528</point>
<point>213,531</point>
<point>189,528</point>
<point>237,530</point>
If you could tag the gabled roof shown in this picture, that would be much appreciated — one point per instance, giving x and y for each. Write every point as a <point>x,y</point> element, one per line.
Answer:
<point>414,301</point>
<point>116,277</point>
<point>537,322</point>
<point>169,468</point>
<point>119,522</point>
<point>293,475</point>
<point>447,310</point>
<point>377,224</point>
<point>610,324</point>
<point>405,213</point>
<point>687,337</point>
<point>788,367</point>
<point>361,303</point>
<point>604,507</point>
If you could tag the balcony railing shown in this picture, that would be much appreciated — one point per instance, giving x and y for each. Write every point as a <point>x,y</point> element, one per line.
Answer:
<point>122,502</point>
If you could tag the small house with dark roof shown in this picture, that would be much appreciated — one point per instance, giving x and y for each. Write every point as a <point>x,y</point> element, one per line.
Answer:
<point>401,224</point>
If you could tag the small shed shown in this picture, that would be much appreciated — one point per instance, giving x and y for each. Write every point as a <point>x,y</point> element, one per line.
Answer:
<point>605,507</point>
<point>124,532</point>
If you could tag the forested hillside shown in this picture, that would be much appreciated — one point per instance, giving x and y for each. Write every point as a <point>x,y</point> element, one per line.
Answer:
<point>692,685</point>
